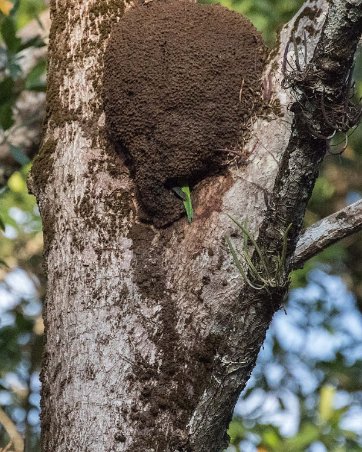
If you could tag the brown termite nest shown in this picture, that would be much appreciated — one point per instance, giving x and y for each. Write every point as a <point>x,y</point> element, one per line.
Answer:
<point>181,83</point>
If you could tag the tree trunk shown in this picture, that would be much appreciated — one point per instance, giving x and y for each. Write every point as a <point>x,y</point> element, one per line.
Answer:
<point>151,334</point>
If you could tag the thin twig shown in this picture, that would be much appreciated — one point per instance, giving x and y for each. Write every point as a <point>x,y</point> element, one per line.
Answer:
<point>12,431</point>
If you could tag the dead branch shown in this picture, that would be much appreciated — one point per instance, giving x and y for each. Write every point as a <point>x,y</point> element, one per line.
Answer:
<point>327,231</point>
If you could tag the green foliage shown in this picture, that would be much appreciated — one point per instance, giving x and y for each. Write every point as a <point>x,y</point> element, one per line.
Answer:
<point>188,203</point>
<point>13,82</point>
<point>28,10</point>
<point>21,327</point>
<point>268,16</point>
<point>185,194</point>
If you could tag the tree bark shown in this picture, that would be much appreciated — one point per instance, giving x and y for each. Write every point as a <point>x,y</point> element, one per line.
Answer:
<point>151,334</point>
<point>335,227</point>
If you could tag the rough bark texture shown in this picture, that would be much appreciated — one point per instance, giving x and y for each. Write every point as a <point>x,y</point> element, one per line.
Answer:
<point>335,227</point>
<point>151,334</point>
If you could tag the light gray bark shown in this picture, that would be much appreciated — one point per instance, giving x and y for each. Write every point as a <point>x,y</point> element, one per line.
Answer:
<point>151,334</point>
<point>335,227</point>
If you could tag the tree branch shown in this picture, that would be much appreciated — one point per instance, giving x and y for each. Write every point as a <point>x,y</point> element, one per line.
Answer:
<point>324,233</point>
<point>321,90</point>
<point>328,27</point>
<point>324,86</point>
<point>11,430</point>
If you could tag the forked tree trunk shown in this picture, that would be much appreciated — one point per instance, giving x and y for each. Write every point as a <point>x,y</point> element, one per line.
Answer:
<point>151,334</point>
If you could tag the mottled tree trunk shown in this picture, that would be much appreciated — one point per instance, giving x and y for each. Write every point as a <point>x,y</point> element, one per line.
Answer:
<point>152,334</point>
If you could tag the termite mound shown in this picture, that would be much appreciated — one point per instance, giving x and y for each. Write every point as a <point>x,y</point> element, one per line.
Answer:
<point>181,82</point>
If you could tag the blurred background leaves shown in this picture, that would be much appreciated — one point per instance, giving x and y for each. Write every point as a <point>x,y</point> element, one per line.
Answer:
<point>305,393</point>
<point>22,279</point>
